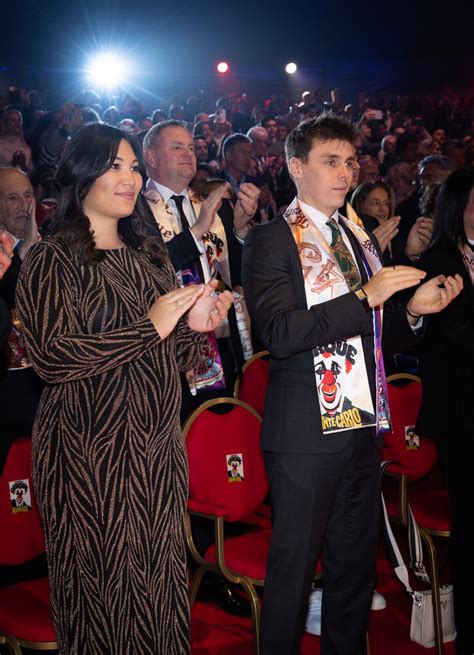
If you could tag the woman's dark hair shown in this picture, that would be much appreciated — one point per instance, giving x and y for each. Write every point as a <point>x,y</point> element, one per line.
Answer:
<point>451,204</point>
<point>362,191</point>
<point>88,155</point>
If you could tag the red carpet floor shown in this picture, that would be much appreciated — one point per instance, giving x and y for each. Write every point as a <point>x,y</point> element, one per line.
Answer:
<point>216,633</point>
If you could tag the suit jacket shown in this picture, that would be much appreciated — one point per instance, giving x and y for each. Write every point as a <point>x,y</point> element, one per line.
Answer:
<point>447,353</point>
<point>184,252</point>
<point>182,247</point>
<point>274,289</point>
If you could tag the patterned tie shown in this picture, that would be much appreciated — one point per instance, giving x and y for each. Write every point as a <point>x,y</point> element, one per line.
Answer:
<point>343,256</point>
<point>185,225</point>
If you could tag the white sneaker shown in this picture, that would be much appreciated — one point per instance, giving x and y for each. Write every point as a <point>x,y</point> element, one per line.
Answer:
<point>378,601</point>
<point>313,620</point>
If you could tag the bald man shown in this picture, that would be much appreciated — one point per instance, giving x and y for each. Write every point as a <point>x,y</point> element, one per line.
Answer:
<point>20,388</point>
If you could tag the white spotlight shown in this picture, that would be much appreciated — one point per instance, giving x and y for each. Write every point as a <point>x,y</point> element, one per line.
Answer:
<point>107,70</point>
<point>291,68</point>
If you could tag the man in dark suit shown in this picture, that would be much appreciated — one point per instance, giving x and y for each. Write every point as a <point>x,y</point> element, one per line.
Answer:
<point>202,236</point>
<point>312,294</point>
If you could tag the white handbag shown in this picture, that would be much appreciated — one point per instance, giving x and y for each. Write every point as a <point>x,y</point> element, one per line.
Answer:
<point>422,621</point>
<point>422,629</point>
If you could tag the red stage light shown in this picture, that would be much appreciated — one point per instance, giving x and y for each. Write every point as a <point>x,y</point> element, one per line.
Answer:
<point>222,67</point>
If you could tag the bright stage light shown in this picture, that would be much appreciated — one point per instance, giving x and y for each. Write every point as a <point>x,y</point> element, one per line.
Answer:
<point>222,67</point>
<point>107,70</point>
<point>291,68</point>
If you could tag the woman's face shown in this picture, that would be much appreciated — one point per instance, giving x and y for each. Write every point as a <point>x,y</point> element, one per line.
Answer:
<point>469,217</point>
<point>377,204</point>
<point>113,195</point>
<point>13,123</point>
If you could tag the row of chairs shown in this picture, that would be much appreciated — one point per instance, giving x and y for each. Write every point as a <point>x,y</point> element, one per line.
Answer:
<point>228,483</point>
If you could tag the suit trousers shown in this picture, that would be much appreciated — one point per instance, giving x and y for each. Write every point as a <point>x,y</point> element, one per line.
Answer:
<point>322,504</point>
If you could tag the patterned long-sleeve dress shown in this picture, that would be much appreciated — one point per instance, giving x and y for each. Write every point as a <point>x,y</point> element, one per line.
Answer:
<point>109,466</point>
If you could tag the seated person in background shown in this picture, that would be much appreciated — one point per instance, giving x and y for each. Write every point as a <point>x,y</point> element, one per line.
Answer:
<point>375,205</point>
<point>14,151</point>
<point>237,156</point>
<point>369,169</point>
<point>455,151</point>
<point>204,130</point>
<point>20,387</point>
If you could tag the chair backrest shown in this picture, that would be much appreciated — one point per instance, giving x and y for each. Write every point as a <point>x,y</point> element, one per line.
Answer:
<point>22,534</point>
<point>226,466</point>
<point>252,387</point>
<point>411,455</point>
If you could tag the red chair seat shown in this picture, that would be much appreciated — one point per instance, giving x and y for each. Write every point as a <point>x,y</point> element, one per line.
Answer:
<point>25,611</point>
<point>432,509</point>
<point>246,554</point>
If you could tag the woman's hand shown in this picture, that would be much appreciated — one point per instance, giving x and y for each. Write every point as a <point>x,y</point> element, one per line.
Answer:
<point>210,309</point>
<point>386,231</point>
<point>168,309</point>
<point>419,237</point>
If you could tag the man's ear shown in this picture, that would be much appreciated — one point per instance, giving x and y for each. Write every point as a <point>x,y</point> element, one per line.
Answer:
<point>150,158</point>
<point>295,168</point>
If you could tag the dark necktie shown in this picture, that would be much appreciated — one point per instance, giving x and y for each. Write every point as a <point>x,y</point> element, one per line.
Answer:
<point>182,216</point>
<point>343,256</point>
<point>185,225</point>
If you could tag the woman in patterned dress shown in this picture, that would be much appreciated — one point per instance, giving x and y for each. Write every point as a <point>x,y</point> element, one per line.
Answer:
<point>108,330</point>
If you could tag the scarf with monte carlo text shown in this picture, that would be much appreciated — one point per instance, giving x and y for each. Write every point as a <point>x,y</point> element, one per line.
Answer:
<point>341,375</point>
<point>209,375</point>
<point>467,255</point>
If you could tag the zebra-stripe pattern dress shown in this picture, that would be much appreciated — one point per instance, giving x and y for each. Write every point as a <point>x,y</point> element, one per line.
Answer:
<point>109,465</point>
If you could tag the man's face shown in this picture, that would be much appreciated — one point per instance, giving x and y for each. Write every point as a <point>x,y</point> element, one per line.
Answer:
<point>271,127</point>
<point>432,173</point>
<point>259,143</point>
<point>16,199</point>
<point>324,180</point>
<point>282,132</point>
<point>201,150</point>
<point>239,157</point>
<point>171,160</point>
<point>206,132</point>
<point>369,171</point>
<point>440,136</point>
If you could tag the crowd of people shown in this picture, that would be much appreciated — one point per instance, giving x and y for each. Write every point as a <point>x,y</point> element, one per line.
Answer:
<point>149,253</point>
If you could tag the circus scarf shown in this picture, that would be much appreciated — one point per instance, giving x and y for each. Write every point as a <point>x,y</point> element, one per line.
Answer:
<point>467,255</point>
<point>209,375</point>
<point>342,382</point>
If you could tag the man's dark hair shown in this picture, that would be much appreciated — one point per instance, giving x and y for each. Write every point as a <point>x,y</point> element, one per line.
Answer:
<point>231,141</point>
<point>327,127</point>
<point>451,204</point>
<point>265,119</point>
<point>154,131</point>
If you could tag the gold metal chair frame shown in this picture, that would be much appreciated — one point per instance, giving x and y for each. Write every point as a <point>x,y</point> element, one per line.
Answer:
<point>220,566</point>
<point>425,533</point>
<point>14,644</point>
<point>249,362</point>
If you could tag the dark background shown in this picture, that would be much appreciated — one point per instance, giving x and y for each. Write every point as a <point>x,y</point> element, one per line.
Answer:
<point>174,46</point>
